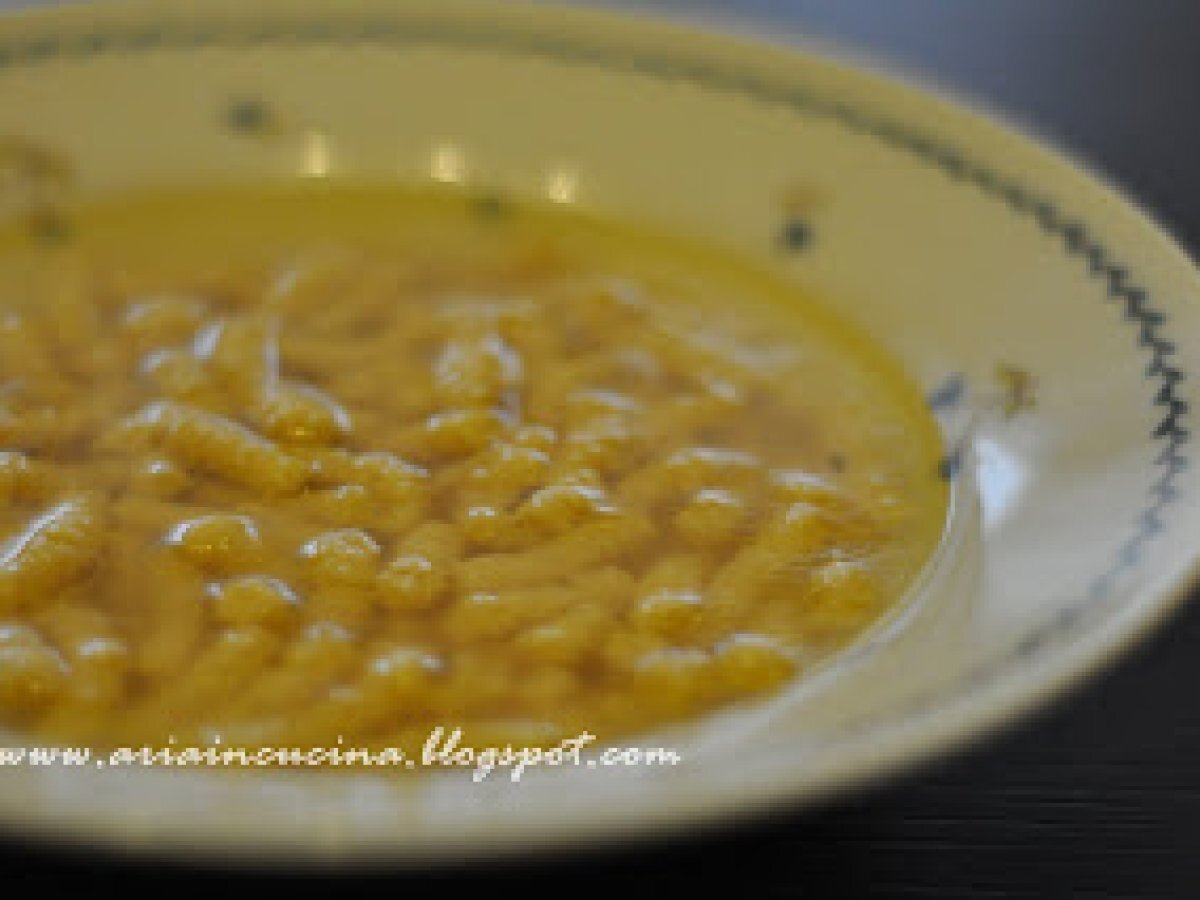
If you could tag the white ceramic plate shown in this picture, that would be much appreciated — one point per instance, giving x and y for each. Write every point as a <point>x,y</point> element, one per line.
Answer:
<point>960,245</point>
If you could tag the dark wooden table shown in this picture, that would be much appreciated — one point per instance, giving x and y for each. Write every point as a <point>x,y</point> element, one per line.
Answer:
<point>1099,797</point>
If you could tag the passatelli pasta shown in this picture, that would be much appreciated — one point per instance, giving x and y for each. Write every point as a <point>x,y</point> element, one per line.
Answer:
<point>287,464</point>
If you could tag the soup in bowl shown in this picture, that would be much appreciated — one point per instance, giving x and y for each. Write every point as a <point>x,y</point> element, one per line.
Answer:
<point>683,425</point>
<point>298,464</point>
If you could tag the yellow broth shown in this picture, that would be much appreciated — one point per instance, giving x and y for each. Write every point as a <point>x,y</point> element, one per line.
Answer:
<point>294,463</point>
